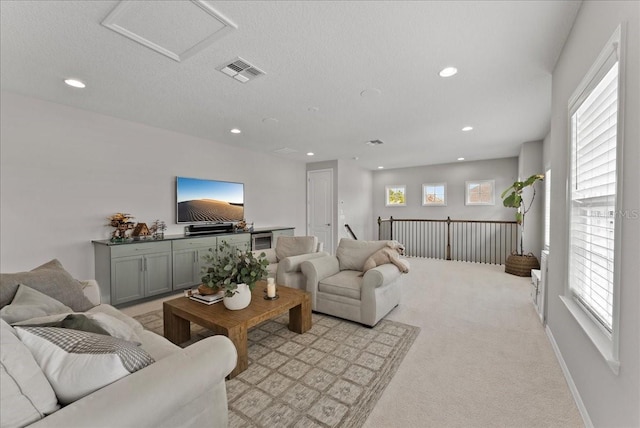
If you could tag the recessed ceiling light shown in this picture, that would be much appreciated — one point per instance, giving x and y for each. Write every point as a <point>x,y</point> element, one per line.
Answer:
<point>235,131</point>
<point>380,167</point>
<point>75,83</point>
<point>467,128</point>
<point>270,120</point>
<point>460,158</point>
<point>448,72</point>
<point>310,154</point>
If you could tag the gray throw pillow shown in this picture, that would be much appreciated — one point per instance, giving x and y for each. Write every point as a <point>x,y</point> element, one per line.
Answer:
<point>72,321</point>
<point>29,303</point>
<point>50,279</point>
<point>106,323</point>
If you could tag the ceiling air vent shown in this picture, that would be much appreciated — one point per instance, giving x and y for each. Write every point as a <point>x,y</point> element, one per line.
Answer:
<point>241,70</point>
<point>374,143</point>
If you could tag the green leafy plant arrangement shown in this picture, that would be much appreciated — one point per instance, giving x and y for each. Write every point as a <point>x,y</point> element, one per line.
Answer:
<point>228,266</point>
<point>515,200</point>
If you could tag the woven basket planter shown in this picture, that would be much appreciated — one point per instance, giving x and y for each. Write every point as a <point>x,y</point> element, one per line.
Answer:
<point>521,265</point>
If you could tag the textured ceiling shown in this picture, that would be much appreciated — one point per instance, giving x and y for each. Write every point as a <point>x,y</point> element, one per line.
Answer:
<point>319,58</point>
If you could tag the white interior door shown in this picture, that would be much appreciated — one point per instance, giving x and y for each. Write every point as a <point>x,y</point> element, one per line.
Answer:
<point>320,206</point>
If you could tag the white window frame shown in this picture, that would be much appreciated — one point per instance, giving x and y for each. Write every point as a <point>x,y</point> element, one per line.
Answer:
<point>390,187</point>
<point>425,203</point>
<point>547,209</point>
<point>606,342</point>
<point>467,185</point>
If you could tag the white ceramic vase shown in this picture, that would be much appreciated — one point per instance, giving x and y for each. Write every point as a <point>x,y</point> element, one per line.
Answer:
<point>240,300</point>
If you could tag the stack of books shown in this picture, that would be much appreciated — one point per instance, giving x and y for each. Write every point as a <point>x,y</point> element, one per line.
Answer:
<point>208,299</point>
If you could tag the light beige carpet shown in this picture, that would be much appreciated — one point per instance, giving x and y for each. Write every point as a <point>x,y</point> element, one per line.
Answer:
<point>330,376</point>
<point>481,359</point>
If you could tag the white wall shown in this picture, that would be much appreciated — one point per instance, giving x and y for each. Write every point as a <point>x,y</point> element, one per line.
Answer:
<point>503,171</point>
<point>64,170</point>
<point>611,400</point>
<point>546,153</point>
<point>355,190</point>
<point>529,163</point>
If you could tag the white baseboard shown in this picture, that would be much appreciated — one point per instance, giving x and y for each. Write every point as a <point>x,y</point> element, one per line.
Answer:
<point>567,375</point>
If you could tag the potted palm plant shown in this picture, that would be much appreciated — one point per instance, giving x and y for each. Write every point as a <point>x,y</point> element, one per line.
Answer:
<point>519,263</point>
<point>235,272</point>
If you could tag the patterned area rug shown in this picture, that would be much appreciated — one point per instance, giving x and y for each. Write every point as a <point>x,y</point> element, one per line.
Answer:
<point>330,376</point>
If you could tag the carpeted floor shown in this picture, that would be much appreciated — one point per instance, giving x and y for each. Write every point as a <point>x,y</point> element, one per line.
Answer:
<point>330,376</point>
<point>481,360</point>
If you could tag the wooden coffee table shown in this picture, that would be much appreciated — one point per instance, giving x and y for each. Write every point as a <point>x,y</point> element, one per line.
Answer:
<point>178,313</point>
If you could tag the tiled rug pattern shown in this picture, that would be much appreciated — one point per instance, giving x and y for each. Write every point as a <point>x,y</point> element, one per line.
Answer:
<point>330,376</point>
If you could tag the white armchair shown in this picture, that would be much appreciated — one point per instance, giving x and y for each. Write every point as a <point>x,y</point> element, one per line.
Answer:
<point>286,258</point>
<point>339,287</point>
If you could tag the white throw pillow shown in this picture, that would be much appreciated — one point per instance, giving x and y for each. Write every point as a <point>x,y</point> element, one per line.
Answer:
<point>29,303</point>
<point>77,363</point>
<point>25,393</point>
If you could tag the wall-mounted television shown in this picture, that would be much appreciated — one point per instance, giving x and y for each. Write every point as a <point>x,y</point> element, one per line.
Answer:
<point>208,201</point>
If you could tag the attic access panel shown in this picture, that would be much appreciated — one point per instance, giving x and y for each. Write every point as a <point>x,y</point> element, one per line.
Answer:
<point>176,29</point>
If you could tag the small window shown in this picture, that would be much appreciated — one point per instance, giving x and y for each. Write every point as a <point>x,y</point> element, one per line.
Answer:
<point>396,195</point>
<point>434,194</point>
<point>480,192</point>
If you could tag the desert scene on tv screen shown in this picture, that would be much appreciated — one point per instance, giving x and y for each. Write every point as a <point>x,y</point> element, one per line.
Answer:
<point>209,210</point>
<point>209,201</point>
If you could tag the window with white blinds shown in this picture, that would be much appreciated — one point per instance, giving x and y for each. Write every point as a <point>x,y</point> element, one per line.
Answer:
<point>593,194</point>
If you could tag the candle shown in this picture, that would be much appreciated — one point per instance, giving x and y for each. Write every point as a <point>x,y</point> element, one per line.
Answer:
<point>271,288</point>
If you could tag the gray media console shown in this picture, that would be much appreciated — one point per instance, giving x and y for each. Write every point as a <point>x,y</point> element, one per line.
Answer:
<point>133,271</point>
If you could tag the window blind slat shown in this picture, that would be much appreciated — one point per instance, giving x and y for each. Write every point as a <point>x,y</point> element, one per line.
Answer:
<point>604,143</point>
<point>593,117</point>
<point>589,129</point>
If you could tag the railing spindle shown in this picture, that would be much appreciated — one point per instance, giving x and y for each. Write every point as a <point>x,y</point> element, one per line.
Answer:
<point>479,241</point>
